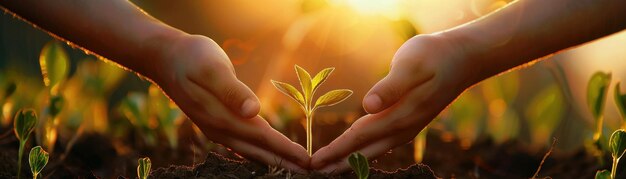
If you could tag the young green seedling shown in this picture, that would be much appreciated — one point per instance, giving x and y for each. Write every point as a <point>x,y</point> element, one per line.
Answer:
<point>359,164</point>
<point>37,159</point>
<point>603,174</point>
<point>309,86</point>
<point>596,95</point>
<point>143,169</point>
<point>23,124</point>
<point>617,145</point>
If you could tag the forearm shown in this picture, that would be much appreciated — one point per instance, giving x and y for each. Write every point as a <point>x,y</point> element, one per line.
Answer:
<point>529,29</point>
<point>114,29</point>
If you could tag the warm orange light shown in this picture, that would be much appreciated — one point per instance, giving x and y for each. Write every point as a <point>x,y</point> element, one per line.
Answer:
<point>388,8</point>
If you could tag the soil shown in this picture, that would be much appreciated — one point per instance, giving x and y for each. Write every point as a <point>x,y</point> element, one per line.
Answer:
<point>96,156</point>
<point>217,166</point>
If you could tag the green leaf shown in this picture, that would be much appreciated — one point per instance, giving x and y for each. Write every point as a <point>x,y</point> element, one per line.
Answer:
<point>604,174</point>
<point>359,164</point>
<point>544,113</point>
<point>617,143</point>
<point>333,97</point>
<point>56,104</point>
<point>620,100</point>
<point>24,123</point>
<point>37,159</point>
<point>289,91</point>
<point>321,77</point>
<point>54,63</point>
<point>143,170</point>
<point>596,92</point>
<point>305,83</point>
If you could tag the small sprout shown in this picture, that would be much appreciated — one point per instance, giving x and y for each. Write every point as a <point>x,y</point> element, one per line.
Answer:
<point>305,99</point>
<point>604,174</point>
<point>359,164</point>
<point>23,124</point>
<point>596,95</point>
<point>617,144</point>
<point>143,170</point>
<point>38,158</point>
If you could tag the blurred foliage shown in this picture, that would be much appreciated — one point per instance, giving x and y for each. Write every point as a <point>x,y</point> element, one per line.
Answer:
<point>419,145</point>
<point>620,101</point>
<point>597,89</point>
<point>544,113</point>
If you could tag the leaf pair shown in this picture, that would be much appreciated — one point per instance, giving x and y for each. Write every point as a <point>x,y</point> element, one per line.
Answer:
<point>309,86</point>
<point>143,169</point>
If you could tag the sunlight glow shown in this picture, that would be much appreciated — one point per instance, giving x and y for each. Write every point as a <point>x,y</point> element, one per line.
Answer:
<point>391,9</point>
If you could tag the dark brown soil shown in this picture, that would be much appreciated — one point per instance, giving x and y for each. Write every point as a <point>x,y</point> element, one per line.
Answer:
<point>217,166</point>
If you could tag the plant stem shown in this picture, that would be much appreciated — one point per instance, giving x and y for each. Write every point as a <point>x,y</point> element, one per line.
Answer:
<point>614,167</point>
<point>309,136</point>
<point>598,133</point>
<point>20,153</point>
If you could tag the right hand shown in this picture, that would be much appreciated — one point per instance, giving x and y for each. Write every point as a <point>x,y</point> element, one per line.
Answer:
<point>199,77</point>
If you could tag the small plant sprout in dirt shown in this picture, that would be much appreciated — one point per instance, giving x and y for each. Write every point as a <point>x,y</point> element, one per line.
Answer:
<point>23,124</point>
<point>309,86</point>
<point>596,96</point>
<point>54,64</point>
<point>617,145</point>
<point>359,164</point>
<point>143,169</point>
<point>37,159</point>
<point>603,174</point>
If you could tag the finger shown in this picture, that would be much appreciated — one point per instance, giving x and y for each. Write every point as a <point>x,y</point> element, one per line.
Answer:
<point>392,88</point>
<point>359,134</point>
<point>259,154</point>
<point>254,131</point>
<point>263,135</point>
<point>231,92</point>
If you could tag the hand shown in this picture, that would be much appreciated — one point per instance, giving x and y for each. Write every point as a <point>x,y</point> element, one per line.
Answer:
<point>427,73</point>
<point>198,76</point>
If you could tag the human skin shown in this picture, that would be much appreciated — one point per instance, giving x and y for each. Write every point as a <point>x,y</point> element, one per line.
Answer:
<point>428,72</point>
<point>191,69</point>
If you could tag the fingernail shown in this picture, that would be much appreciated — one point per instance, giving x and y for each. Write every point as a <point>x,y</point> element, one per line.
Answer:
<point>372,103</point>
<point>248,108</point>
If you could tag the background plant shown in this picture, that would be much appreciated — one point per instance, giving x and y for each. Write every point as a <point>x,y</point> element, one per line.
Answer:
<point>54,64</point>
<point>309,86</point>
<point>596,96</point>
<point>24,122</point>
<point>37,159</point>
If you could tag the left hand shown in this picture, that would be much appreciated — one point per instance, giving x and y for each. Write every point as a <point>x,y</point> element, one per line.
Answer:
<point>428,72</point>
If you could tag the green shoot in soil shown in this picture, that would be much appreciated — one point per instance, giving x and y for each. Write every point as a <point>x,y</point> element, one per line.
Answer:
<point>309,86</point>
<point>37,159</point>
<point>143,170</point>
<point>359,164</point>
<point>617,145</point>
<point>23,125</point>
<point>604,174</point>
<point>596,95</point>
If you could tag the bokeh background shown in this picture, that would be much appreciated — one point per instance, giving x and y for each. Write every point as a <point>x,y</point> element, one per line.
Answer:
<point>264,39</point>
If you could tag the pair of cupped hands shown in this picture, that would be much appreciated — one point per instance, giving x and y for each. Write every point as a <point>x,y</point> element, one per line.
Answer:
<point>427,73</point>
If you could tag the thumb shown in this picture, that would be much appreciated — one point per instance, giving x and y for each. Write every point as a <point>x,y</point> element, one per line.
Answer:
<point>390,90</point>
<point>235,95</point>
